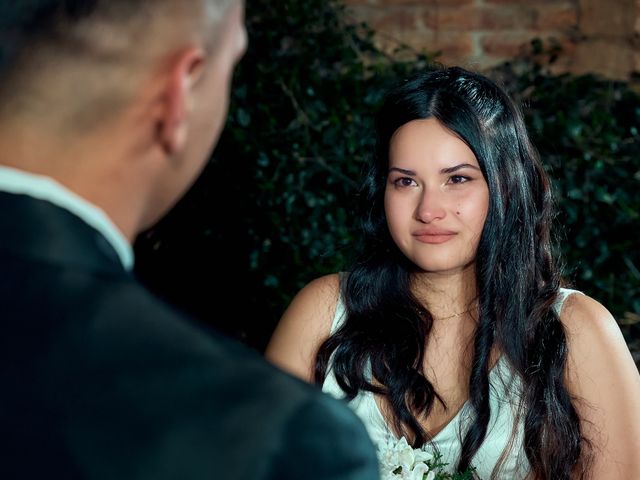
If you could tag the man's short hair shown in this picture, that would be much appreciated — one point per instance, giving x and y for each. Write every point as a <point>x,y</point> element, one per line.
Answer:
<point>97,44</point>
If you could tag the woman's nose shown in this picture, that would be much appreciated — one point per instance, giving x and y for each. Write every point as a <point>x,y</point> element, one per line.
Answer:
<point>430,206</point>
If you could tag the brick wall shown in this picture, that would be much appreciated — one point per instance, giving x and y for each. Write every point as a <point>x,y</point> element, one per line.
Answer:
<point>600,36</point>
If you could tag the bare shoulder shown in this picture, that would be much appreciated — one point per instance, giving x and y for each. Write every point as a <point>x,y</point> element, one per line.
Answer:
<point>314,306</point>
<point>595,340</point>
<point>604,382</point>
<point>305,324</point>
<point>591,329</point>
<point>321,292</point>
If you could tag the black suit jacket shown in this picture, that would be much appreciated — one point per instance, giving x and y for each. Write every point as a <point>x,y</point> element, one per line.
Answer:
<point>101,380</point>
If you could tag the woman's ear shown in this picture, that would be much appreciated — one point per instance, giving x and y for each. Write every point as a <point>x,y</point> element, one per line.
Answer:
<point>182,74</point>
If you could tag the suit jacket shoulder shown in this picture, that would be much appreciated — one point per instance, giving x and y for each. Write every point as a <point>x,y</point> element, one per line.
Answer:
<point>103,380</point>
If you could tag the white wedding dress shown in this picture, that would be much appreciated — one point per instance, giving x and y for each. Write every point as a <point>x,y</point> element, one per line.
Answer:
<point>504,434</point>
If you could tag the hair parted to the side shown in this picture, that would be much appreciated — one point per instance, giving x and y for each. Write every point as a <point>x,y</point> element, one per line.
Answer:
<point>89,50</point>
<point>516,274</point>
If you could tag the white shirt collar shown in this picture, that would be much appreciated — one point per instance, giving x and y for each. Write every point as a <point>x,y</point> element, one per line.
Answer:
<point>45,188</point>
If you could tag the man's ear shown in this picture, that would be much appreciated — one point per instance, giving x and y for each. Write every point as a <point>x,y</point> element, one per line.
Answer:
<point>183,73</point>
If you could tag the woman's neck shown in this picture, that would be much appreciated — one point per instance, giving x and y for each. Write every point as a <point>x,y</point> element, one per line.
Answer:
<point>447,295</point>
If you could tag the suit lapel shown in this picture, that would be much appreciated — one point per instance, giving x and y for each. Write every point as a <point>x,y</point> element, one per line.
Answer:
<point>38,230</point>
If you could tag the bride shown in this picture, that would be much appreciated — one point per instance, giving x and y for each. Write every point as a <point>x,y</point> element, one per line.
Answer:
<point>452,330</point>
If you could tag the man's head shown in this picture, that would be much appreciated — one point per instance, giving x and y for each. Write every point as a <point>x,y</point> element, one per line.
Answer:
<point>117,92</point>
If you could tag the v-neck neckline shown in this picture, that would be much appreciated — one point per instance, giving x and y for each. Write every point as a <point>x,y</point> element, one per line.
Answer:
<point>447,426</point>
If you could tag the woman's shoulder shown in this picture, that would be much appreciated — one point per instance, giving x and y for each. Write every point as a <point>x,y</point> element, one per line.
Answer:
<point>305,324</point>
<point>326,285</point>
<point>585,319</point>
<point>603,378</point>
<point>320,293</point>
<point>596,347</point>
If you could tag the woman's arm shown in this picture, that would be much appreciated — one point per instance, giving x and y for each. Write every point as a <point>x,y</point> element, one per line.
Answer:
<point>604,380</point>
<point>304,326</point>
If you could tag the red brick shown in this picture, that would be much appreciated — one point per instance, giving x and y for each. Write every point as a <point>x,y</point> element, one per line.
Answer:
<point>504,28</point>
<point>425,3</point>
<point>555,17</point>
<point>363,13</point>
<point>484,18</point>
<point>610,18</point>
<point>430,18</point>
<point>455,2</point>
<point>418,41</point>
<point>565,59</point>
<point>612,59</point>
<point>410,3</point>
<point>360,2</point>
<point>636,61</point>
<point>484,62</point>
<point>506,44</point>
<point>392,19</point>
<point>530,2</point>
<point>385,19</point>
<point>444,3</point>
<point>452,48</point>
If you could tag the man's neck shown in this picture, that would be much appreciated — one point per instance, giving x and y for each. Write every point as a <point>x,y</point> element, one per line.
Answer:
<point>92,167</point>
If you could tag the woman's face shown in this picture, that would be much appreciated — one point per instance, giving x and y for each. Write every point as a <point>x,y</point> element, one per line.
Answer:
<point>436,198</point>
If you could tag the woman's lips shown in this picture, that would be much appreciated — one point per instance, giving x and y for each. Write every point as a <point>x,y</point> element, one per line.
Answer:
<point>434,237</point>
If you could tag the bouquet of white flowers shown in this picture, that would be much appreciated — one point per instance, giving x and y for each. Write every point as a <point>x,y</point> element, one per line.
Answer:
<point>399,461</point>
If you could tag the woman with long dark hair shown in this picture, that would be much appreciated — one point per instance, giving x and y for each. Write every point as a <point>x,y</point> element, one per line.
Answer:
<point>452,329</point>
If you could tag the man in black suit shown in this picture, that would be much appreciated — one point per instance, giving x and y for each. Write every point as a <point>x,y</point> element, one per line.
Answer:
<point>108,112</point>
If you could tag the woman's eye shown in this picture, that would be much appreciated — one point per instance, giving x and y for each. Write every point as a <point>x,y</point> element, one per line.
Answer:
<point>458,179</point>
<point>404,182</point>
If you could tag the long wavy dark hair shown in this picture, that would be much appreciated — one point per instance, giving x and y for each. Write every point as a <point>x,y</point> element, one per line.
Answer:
<point>516,274</point>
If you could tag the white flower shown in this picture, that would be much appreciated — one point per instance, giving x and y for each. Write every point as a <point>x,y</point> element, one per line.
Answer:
<point>419,472</point>
<point>399,461</point>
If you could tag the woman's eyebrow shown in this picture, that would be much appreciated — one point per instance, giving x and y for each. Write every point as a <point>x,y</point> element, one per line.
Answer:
<point>458,167</point>
<point>411,173</point>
